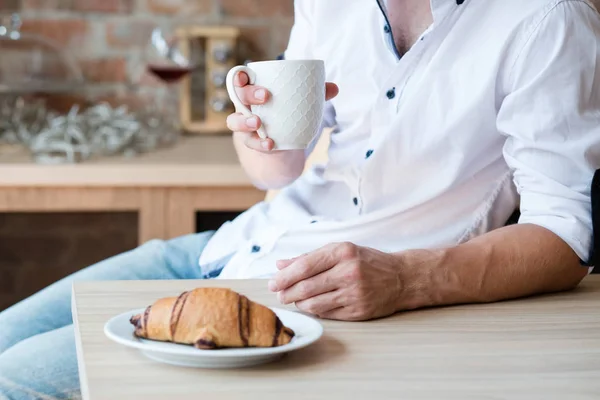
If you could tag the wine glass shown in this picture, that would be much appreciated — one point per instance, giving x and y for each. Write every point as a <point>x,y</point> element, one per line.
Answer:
<point>167,57</point>
<point>164,58</point>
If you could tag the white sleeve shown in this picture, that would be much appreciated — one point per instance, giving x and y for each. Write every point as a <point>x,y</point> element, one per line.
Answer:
<point>551,116</point>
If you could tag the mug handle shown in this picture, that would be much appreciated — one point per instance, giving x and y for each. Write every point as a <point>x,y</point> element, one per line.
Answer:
<point>241,107</point>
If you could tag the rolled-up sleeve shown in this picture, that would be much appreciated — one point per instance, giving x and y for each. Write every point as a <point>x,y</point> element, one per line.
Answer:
<point>551,117</point>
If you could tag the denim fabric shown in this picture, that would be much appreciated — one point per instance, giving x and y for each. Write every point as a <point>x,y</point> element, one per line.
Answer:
<point>37,345</point>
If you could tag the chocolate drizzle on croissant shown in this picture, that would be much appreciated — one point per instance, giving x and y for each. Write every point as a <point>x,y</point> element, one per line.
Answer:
<point>278,326</point>
<point>205,344</point>
<point>211,318</point>
<point>177,309</point>
<point>244,318</point>
<point>140,322</point>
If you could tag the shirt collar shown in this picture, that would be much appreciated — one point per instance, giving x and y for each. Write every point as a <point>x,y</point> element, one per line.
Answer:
<point>439,8</point>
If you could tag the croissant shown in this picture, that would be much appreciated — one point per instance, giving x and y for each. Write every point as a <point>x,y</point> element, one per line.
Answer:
<point>211,318</point>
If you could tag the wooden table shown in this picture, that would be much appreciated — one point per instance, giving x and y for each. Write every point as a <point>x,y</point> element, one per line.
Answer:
<point>545,347</point>
<point>165,187</point>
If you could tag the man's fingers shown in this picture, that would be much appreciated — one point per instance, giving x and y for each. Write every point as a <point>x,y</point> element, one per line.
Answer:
<point>241,79</point>
<point>306,289</point>
<point>237,122</point>
<point>281,264</point>
<point>246,127</point>
<point>252,95</point>
<point>331,90</point>
<point>254,142</point>
<point>338,314</point>
<point>323,304</point>
<point>304,267</point>
<point>249,94</point>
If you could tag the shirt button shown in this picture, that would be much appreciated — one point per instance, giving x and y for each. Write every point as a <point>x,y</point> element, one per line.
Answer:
<point>255,249</point>
<point>355,201</point>
<point>391,93</point>
<point>386,29</point>
<point>368,153</point>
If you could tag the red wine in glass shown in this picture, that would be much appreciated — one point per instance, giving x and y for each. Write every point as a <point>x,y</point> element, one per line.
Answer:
<point>169,73</point>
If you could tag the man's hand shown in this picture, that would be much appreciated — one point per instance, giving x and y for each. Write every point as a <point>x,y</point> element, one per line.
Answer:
<point>348,282</point>
<point>341,281</point>
<point>245,127</point>
<point>267,169</point>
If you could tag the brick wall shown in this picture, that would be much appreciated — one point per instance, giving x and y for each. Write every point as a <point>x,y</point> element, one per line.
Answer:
<point>105,36</point>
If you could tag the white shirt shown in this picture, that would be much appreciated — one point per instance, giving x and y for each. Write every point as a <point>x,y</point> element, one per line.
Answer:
<point>496,107</point>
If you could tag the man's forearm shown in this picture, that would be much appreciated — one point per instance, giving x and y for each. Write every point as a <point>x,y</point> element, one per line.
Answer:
<point>511,262</point>
<point>272,170</point>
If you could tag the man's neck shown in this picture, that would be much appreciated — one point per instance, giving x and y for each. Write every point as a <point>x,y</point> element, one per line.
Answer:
<point>408,20</point>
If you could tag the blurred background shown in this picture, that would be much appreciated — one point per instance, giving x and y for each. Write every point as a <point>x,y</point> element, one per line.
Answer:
<point>129,93</point>
<point>87,53</point>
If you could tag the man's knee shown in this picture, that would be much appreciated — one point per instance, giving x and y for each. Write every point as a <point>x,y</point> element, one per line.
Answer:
<point>154,247</point>
<point>41,367</point>
<point>12,390</point>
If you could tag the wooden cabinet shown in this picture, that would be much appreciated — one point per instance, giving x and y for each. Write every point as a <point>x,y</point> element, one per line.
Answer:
<point>166,187</point>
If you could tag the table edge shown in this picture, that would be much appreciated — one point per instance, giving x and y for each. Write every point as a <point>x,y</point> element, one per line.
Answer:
<point>152,175</point>
<point>83,381</point>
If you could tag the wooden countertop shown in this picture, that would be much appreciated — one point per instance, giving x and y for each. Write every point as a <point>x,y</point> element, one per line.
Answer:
<point>193,161</point>
<point>542,348</point>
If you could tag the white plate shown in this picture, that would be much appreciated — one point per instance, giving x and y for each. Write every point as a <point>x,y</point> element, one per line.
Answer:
<point>306,329</point>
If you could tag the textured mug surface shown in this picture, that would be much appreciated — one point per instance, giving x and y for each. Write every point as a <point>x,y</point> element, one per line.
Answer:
<point>292,115</point>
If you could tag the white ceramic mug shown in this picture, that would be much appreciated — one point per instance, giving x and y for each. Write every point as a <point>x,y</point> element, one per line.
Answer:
<point>292,115</point>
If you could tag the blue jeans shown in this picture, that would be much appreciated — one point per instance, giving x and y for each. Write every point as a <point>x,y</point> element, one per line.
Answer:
<point>37,344</point>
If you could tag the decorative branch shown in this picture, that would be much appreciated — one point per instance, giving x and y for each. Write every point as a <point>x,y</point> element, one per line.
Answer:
<point>101,130</point>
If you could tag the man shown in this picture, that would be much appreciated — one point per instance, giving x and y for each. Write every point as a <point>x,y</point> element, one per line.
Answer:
<point>448,116</point>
